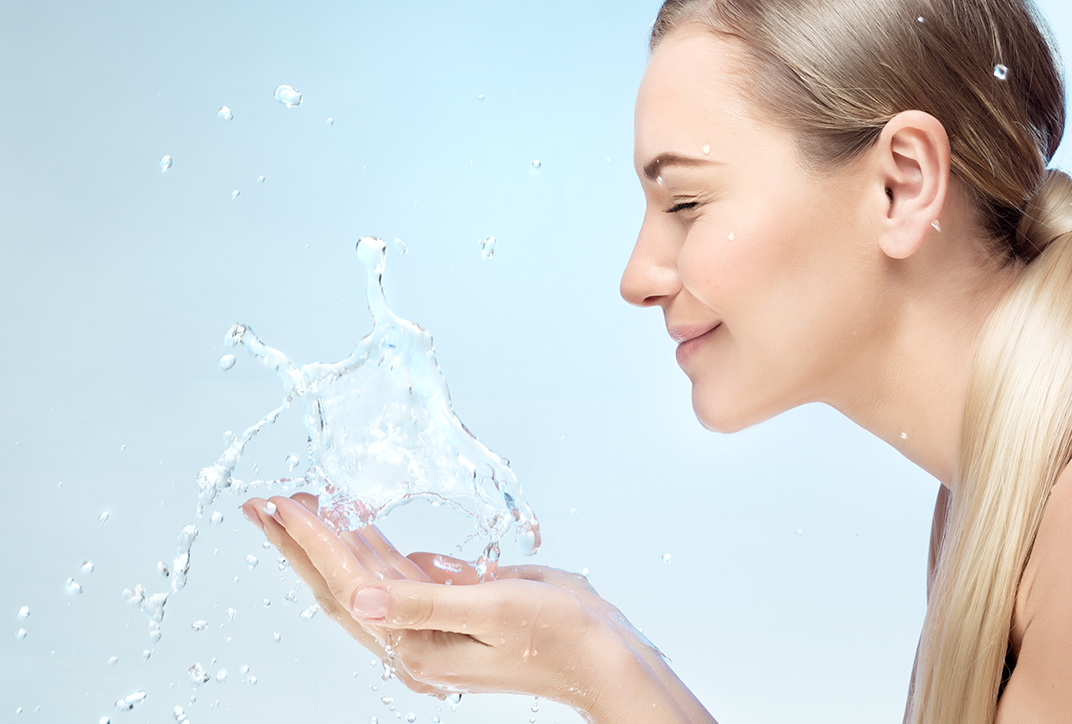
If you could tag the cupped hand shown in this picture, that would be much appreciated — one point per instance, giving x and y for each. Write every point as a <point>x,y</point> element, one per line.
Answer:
<point>532,630</point>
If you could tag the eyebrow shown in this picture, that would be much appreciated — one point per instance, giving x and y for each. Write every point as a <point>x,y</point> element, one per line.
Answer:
<point>651,171</point>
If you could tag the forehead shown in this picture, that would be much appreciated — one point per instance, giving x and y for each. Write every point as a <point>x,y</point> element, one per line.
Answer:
<point>691,90</point>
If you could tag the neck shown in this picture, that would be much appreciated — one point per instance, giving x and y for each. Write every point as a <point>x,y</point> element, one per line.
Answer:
<point>910,387</point>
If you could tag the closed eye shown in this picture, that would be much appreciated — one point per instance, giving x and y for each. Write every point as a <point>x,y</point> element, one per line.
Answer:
<point>682,207</point>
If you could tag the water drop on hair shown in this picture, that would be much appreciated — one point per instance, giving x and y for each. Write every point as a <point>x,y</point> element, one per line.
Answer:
<point>1001,72</point>
<point>225,114</point>
<point>920,19</point>
<point>288,96</point>
<point>165,163</point>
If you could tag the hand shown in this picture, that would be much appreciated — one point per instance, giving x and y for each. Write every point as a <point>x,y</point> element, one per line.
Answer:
<point>533,630</point>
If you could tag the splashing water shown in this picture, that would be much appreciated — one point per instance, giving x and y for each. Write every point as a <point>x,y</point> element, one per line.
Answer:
<point>153,605</point>
<point>382,432</point>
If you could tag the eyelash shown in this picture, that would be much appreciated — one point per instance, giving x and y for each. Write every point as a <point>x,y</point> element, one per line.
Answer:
<point>682,207</point>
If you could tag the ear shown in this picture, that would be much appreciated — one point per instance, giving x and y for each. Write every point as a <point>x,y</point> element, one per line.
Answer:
<point>912,161</point>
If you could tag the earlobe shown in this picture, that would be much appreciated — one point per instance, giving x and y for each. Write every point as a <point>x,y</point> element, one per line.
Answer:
<point>913,158</point>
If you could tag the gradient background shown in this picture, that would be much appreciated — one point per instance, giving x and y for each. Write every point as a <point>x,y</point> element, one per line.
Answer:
<point>119,282</point>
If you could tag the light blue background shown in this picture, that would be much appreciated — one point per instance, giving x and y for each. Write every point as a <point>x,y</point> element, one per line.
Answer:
<point>119,282</point>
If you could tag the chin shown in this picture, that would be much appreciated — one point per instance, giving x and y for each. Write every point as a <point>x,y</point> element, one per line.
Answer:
<point>721,416</point>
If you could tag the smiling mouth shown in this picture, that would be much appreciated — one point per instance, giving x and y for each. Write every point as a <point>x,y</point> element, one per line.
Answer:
<point>690,339</point>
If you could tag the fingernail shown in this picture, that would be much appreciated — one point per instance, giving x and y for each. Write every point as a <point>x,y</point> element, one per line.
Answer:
<point>371,603</point>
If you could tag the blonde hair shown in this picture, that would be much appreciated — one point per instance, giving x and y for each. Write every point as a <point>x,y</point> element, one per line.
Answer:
<point>834,72</point>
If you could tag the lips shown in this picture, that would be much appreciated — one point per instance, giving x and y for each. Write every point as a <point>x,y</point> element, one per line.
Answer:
<point>690,339</point>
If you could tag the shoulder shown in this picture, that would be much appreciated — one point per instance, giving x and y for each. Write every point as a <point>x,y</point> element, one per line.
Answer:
<point>1040,688</point>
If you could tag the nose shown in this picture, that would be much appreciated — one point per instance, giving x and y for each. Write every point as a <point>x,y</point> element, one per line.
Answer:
<point>651,278</point>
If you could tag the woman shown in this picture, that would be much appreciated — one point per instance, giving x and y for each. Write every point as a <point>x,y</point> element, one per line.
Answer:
<point>847,202</point>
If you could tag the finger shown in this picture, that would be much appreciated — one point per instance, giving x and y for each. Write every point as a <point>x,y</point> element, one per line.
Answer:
<point>444,569</point>
<point>575,582</point>
<point>389,554</point>
<point>329,555</point>
<point>470,610</point>
<point>311,502</point>
<point>368,556</point>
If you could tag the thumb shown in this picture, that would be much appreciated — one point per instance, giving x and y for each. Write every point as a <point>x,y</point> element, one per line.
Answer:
<point>421,606</point>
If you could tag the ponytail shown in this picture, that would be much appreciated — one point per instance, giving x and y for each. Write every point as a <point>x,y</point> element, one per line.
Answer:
<point>1016,438</point>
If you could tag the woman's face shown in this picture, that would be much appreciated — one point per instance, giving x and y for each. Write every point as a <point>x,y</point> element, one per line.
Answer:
<point>765,272</point>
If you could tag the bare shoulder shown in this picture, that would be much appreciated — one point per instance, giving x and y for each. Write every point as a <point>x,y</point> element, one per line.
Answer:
<point>1040,689</point>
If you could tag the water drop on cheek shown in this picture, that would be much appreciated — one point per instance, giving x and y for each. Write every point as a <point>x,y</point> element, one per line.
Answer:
<point>731,236</point>
<point>707,149</point>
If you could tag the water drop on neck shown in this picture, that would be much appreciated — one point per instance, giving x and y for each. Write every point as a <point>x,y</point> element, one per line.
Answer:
<point>288,96</point>
<point>225,114</point>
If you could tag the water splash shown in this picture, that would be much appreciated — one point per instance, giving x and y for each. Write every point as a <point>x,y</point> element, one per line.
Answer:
<point>382,432</point>
<point>153,605</point>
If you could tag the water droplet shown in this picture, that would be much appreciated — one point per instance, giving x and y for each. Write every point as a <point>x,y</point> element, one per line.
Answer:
<point>73,586</point>
<point>179,715</point>
<point>221,675</point>
<point>920,19</point>
<point>103,719</point>
<point>411,718</point>
<point>936,225</point>
<point>230,614</point>
<point>480,97</point>
<point>666,557</point>
<point>374,720</point>
<point>113,660</point>
<point>276,637</point>
<point>454,699</point>
<point>269,509</point>
<point>310,612</point>
<point>292,461</point>
<point>904,435</point>
<point>707,149</point>
<point>799,533</point>
<point>163,570</point>
<point>227,361</point>
<point>165,163</point>
<point>401,246</point>
<point>235,194</point>
<point>217,518</point>
<point>260,179</point>
<point>536,163</point>
<point>435,720</point>
<point>331,121</point>
<point>87,567</point>
<point>267,603</point>
<point>253,680</point>
<point>20,634</point>
<point>251,561</point>
<point>659,180</point>
<point>731,236</point>
<point>1001,72</point>
<point>584,571</point>
<point>200,625</point>
<point>387,700</point>
<point>288,96</point>
<point>131,701</point>
<point>225,114</point>
<point>146,654</point>
<point>24,612</point>
<point>283,563</point>
<point>103,518</point>
<point>446,564</point>
<point>535,705</point>
<point>244,670</point>
<point>487,247</point>
<point>155,634</point>
<point>197,675</point>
